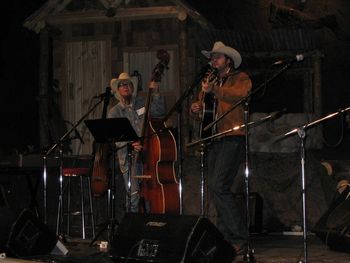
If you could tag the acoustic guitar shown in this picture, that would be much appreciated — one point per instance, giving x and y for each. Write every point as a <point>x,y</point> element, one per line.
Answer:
<point>207,115</point>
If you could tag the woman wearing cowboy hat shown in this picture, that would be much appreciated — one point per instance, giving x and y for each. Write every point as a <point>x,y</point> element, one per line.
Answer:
<point>226,153</point>
<point>132,107</point>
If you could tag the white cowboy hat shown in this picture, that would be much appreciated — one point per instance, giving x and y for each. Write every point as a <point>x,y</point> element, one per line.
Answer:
<point>122,77</point>
<point>220,47</point>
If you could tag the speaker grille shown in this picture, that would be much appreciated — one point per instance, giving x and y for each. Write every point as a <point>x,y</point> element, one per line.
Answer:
<point>30,237</point>
<point>169,238</point>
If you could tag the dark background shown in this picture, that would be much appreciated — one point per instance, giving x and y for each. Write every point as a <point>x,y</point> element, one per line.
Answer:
<point>19,76</point>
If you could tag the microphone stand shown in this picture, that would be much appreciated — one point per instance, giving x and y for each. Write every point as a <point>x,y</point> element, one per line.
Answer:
<point>301,132</point>
<point>248,257</point>
<point>178,108</point>
<point>47,153</point>
<point>272,116</point>
<point>112,130</point>
<point>249,254</point>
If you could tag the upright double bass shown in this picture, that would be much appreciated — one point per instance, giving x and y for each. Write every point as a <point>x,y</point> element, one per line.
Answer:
<point>159,188</point>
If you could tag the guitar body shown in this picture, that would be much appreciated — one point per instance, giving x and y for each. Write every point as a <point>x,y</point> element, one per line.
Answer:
<point>208,113</point>
<point>160,191</point>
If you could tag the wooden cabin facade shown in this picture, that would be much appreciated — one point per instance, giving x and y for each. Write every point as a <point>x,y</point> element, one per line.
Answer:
<point>90,42</point>
<point>84,44</point>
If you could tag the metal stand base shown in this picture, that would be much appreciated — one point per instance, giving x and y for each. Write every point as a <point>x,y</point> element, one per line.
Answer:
<point>109,226</point>
<point>302,134</point>
<point>202,180</point>
<point>249,256</point>
<point>111,222</point>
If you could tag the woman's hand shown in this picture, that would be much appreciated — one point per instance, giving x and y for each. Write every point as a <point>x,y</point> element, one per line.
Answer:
<point>153,85</point>
<point>137,146</point>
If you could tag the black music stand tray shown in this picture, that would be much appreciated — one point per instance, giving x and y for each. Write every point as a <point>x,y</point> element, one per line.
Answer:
<point>111,131</point>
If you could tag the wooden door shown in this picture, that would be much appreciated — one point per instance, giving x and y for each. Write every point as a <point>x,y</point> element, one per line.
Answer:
<point>87,73</point>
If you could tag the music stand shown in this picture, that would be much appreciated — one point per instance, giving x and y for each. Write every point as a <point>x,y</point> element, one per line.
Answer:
<point>111,131</point>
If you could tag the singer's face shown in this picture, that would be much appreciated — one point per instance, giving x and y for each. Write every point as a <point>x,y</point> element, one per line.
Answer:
<point>219,61</point>
<point>125,89</point>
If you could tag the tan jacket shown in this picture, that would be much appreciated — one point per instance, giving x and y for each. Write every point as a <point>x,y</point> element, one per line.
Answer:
<point>236,86</point>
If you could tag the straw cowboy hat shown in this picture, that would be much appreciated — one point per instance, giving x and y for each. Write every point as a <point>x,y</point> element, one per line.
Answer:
<point>221,48</point>
<point>123,77</point>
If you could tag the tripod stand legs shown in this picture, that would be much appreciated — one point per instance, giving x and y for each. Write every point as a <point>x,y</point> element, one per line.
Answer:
<point>109,226</point>
<point>249,254</point>
<point>111,195</point>
<point>111,223</point>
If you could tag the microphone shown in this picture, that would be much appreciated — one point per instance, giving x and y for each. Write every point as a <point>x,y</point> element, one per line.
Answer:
<point>296,58</point>
<point>205,69</point>
<point>107,94</point>
<point>278,114</point>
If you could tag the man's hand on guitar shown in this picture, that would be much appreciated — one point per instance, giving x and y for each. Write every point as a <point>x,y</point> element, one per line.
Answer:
<point>196,107</point>
<point>137,146</point>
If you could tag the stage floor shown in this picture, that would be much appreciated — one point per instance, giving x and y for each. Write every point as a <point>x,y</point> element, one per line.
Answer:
<point>271,248</point>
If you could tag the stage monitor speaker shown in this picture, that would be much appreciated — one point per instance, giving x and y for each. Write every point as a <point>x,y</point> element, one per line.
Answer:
<point>30,237</point>
<point>6,219</point>
<point>169,238</point>
<point>333,228</point>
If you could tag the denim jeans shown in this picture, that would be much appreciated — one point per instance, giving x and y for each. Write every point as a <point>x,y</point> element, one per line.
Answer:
<point>134,189</point>
<point>223,160</point>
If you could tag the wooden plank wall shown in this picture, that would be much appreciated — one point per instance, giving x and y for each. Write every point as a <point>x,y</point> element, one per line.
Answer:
<point>87,74</point>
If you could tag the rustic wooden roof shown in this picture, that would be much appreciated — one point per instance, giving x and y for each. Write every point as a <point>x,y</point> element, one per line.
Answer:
<point>263,41</point>
<point>89,11</point>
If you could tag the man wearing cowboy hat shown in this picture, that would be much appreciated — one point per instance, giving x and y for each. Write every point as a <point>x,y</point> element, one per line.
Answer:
<point>226,153</point>
<point>132,107</point>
